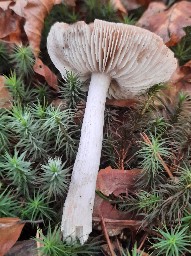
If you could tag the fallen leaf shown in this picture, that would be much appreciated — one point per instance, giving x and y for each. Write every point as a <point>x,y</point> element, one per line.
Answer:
<point>117,5</point>
<point>34,12</point>
<point>5,97</point>
<point>70,2</point>
<point>10,230</point>
<point>167,23</point>
<point>23,248</point>
<point>10,26</point>
<point>130,4</point>
<point>134,4</point>
<point>122,103</point>
<point>5,4</point>
<point>41,69</point>
<point>114,181</point>
<point>181,79</point>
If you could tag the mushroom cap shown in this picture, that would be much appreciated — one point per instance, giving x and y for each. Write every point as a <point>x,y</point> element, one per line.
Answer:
<point>133,57</point>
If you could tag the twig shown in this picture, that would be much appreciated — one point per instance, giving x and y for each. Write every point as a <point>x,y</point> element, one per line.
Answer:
<point>119,247</point>
<point>38,243</point>
<point>31,221</point>
<point>107,236</point>
<point>143,241</point>
<point>147,140</point>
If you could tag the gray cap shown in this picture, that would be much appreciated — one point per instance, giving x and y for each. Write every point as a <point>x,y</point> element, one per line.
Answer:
<point>133,57</point>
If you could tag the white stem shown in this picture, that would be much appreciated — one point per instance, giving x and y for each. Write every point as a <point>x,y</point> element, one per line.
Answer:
<point>77,212</point>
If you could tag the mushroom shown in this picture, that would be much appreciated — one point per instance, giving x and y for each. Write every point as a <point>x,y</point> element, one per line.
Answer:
<point>123,62</point>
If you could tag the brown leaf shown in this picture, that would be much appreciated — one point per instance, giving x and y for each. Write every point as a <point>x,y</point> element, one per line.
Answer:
<point>10,230</point>
<point>10,26</point>
<point>115,220</point>
<point>114,181</point>
<point>122,103</point>
<point>117,5</point>
<point>5,4</point>
<point>5,97</point>
<point>24,248</point>
<point>181,79</point>
<point>41,69</point>
<point>70,2</point>
<point>167,23</point>
<point>134,4</point>
<point>34,12</point>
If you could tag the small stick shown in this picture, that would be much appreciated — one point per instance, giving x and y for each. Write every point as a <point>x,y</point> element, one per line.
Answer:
<point>141,245</point>
<point>106,236</point>
<point>31,221</point>
<point>119,247</point>
<point>147,140</point>
<point>38,243</point>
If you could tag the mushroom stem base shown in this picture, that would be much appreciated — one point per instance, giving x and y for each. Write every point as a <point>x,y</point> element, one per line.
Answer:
<point>78,207</point>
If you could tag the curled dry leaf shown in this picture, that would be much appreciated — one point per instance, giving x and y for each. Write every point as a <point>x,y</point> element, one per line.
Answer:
<point>34,12</point>
<point>117,5</point>
<point>10,230</point>
<point>41,69</point>
<point>167,23</point>
<point>10,26</point>
<point>5,97</point>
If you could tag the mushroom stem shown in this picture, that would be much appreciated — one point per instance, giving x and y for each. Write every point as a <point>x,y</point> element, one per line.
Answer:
<point>78,207</point>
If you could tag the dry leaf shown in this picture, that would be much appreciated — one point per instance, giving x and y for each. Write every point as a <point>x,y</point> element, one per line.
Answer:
<point>10,26</point>
<point>70,2</point>
<point>122,103</point>
<point>41,69</point>
<point>130,4</point>
<point>117,5</point>
<point>167,23</point>
<point>34,12</point>
<point>5,97</point>
<point>181,79</point>
<point>134,4</point>
<point>114,181</point>
<point>24,248</point>
<point>10,230</point>
<point>5,4</point>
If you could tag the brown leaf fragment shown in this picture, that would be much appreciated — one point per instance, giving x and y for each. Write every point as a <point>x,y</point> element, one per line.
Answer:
<point>24,248</point>
<point>167,23</point>
<point>115,220</point>
<point>114,181</point>
<point>134,4</point>
<point>5,96</point>
<point>10,26</point>
<point>122,103</point>
<point>34,12</point>
<point>5,4</point>
<point>131,4</point>
<point>117,5</point>
<point>10,230</point>
<point>70,2</point>
<point>41,69</point>
<point>181,79</point>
